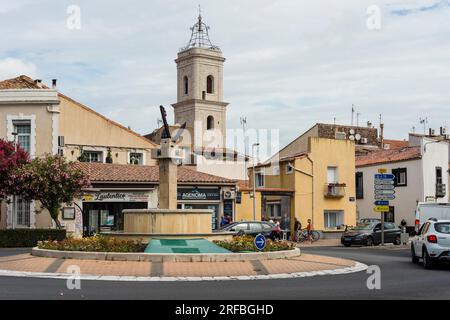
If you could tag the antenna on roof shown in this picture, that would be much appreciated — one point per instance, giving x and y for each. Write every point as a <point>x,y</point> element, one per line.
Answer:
<point>424,121</point>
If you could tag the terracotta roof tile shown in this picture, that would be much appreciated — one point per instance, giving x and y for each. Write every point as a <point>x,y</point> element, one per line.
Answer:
<point>386,156</point>
<point>105,172</point>
<point>395,144</point>
<point>20,82</point>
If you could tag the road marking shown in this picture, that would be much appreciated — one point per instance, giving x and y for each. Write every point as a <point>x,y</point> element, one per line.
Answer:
<point>358,267</point>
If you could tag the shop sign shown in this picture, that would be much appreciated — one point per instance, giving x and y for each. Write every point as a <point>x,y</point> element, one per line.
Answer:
<point>116,197</point>
<point>198,194</point>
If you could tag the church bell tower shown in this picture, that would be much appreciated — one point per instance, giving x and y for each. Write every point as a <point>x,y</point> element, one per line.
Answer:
<point>200,89</point>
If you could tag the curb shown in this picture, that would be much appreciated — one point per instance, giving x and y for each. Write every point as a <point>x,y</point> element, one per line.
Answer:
<point>358,267</point>
<point>166,257</point>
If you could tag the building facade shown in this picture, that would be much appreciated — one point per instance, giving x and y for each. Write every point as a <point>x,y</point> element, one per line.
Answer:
<point>43,121</point>
<point>421,174</point>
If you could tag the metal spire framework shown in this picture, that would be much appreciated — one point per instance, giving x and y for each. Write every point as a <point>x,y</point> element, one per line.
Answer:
<point>200,36</point>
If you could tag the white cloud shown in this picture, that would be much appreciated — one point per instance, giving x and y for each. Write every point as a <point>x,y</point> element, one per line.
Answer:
<point>11,67</point>
<point>289,63</point>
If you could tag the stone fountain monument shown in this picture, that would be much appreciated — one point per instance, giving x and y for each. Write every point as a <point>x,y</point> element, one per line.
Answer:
<point>167,221</point>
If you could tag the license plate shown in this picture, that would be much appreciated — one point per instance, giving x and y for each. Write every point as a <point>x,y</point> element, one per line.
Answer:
<point>347,239</point>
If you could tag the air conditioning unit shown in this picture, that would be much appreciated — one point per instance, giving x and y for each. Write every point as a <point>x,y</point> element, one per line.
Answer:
<point>363,140</point>
<point>340,135</point>
<point>61,141</point>
<point>229,194</point>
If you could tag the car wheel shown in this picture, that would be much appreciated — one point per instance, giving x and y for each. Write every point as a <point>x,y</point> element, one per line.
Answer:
<point>427,262</point>
<point>397,241</point>
<point>369,241</point>
<point>414,258</point>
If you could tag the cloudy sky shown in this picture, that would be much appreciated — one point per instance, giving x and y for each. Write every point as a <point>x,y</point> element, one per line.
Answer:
<point>290,63</point>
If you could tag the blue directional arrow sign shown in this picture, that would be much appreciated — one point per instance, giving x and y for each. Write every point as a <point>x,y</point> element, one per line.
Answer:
<point>387,176</point>
<point>260,242</point>
<point>381,203</point>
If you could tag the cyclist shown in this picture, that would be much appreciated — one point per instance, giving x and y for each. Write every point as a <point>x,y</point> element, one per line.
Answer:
<point>309,229</point>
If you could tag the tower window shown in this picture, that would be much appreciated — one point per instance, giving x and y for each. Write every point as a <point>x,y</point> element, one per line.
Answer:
<point>210,123</point>
<point>186,85</point>
<point>210,84</point>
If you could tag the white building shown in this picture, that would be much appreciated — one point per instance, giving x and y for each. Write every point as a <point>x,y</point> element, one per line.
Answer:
<point>421,172</point>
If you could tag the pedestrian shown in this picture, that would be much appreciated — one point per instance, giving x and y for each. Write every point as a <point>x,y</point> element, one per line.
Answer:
<point>309,229</point>
<point>229,219</point>
<point>223,222</point>
<point>297,228</point>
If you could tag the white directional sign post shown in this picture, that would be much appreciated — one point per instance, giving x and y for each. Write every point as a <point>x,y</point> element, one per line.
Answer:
<point>384,191</point>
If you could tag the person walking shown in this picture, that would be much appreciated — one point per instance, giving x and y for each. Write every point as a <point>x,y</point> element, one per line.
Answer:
<point>309,229</point>
<point>297,228</point>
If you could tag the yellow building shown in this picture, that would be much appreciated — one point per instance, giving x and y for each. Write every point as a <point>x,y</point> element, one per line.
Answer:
<point>317,183</point>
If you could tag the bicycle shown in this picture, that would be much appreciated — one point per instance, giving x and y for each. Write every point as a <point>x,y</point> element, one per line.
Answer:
<point>302,235</point>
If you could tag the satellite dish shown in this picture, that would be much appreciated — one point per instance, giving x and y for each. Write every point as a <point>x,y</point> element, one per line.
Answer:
<point>357,137</point>
<point>352,138</point>
<point>352,131</point>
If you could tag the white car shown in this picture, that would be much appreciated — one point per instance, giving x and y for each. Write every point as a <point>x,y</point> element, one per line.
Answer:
<point>432,243</point>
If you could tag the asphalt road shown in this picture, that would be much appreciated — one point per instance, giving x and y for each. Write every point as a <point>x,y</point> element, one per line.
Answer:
<point>400,279</point>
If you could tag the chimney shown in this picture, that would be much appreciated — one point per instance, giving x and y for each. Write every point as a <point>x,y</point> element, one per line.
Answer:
<point>54,83</point>
<point>38,83</point>
<point>382,135</point>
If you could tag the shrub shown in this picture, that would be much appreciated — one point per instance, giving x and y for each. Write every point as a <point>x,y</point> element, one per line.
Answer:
<point>245,243</point>
<point>15,238</point>
<point>94,244</point>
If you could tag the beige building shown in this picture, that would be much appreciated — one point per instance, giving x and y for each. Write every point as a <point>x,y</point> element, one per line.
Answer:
<point>48,122</point>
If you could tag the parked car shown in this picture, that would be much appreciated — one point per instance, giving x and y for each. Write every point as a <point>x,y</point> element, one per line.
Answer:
<point>369,234</point>
<point>253,228</point>
<point>432,243</point>
<point>369,220</point>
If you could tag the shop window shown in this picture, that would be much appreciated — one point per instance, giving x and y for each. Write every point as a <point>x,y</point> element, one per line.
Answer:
<point>333,219</point>
<point>23,130</point>
<point>186,85</point>
<point>210,84</point>
<point>390,216</point>
<point>274,210</point>
<point>136,158</point>
<point>401,177</point>
<point>210,123</point>
<point>359,185</point>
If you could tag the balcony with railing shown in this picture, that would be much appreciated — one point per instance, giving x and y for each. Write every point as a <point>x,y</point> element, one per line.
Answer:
<point>334,190</point>
<point>440,190</point>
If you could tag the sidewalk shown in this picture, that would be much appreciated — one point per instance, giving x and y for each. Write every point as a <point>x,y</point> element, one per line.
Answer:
<point>320,243</point>
<point>304,263</point>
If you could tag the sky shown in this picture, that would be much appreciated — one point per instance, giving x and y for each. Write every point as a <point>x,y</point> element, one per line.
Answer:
<point>290,63</point>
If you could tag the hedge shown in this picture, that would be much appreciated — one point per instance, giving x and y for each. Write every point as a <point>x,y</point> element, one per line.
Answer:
<point>15,238</point>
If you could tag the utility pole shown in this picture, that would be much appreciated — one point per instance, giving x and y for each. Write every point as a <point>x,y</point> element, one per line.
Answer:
<point>243,121</point>
<point>353,112</point>
<point>254,180</point>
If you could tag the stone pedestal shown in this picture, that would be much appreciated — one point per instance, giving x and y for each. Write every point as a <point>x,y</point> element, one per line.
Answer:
<point>167,184</point>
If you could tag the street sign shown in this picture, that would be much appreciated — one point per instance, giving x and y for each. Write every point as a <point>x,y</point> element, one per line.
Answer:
<point>381,209</point>
<point>384,192</point>
<point>384,176</point>
<point>381,203</point>
<point>260,242</point>
<point>384,181</point>
<point>385,197</point>
<point>384,187</point>
<point>382,170</point>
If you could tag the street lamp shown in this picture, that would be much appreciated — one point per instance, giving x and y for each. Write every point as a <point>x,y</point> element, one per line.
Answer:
<point>254,180</point>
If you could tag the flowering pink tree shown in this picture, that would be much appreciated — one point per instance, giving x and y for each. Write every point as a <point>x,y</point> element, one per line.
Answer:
<point>10,161</point>
<point>53,181</point>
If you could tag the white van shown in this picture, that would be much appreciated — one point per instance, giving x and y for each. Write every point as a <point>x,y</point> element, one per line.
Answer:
<point>427,210</point>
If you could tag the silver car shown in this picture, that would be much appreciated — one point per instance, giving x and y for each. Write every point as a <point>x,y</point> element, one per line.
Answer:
<point>432,243</point>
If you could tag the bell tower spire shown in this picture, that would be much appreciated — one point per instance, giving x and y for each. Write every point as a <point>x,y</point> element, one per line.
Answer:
<point>200,88</point>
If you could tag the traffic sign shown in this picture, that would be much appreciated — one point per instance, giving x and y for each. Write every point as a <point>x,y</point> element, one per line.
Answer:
<point>382,170</point>
<point>260,242</point>
<point>384,192</point>
<point>384,187</point>
<point>381,209</point>
<point>385,176</point>
<point>385,197</point>
<point>381,203</point>
<point>385,181</point>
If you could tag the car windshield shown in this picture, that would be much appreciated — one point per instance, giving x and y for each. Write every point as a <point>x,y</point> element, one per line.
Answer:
<point>363,226</point>
<point>442,227</point>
